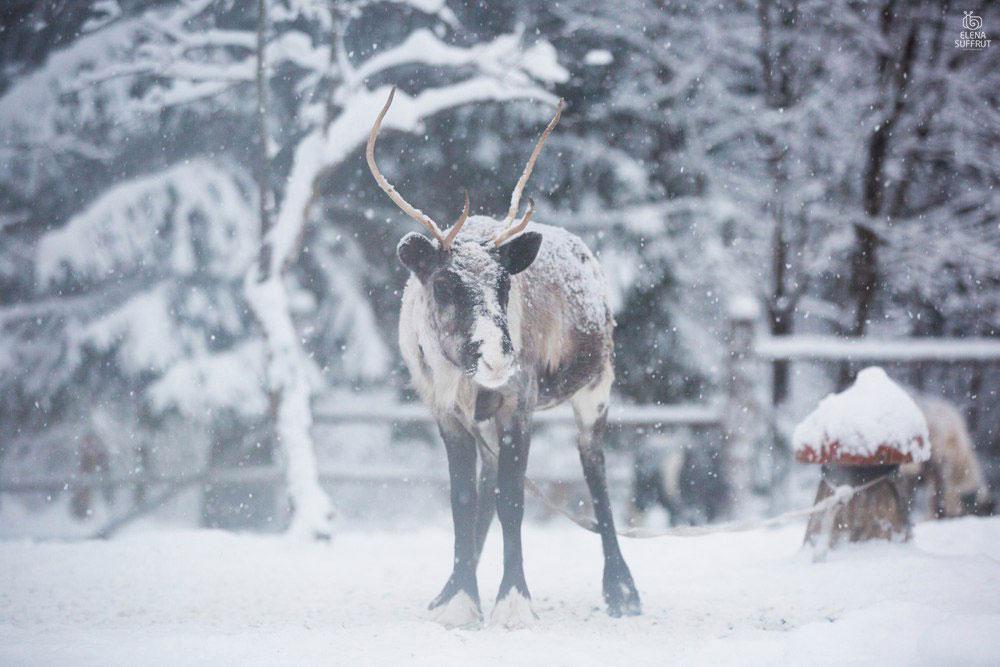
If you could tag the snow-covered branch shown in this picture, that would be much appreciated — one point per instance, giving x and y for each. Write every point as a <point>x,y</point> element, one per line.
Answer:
<point>151,217</point>
<point>326,147</point>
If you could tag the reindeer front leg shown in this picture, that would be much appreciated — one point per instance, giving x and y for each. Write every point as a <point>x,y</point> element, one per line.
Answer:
<point>458,603</point>
<point>513,606</point>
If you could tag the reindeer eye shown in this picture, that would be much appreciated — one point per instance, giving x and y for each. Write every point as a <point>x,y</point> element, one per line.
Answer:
<point>503,289</point>
<point>446,289</point>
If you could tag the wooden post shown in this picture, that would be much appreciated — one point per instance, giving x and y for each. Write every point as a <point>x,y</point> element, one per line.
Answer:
<point>875,513</point>
<point>741,414</point>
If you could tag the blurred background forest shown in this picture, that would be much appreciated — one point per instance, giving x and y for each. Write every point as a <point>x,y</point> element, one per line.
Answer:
<point>836,162</point>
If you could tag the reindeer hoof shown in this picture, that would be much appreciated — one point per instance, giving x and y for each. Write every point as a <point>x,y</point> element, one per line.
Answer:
<point>621,596</point>
<point>513,612</point>
<point>461,611</point>
<point>629,607</point>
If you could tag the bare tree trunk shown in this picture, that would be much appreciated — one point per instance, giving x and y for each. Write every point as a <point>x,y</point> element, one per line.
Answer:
<point>780,308</point>
<point>864,277</point>
<point>894,75</point>
<point>289,375</point>
<point>938,93</point>
<point>777,69</point>
<point>263,156</point>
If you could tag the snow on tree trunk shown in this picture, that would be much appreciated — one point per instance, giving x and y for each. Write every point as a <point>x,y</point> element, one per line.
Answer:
<point>291,380</point>
<point>290,376</point>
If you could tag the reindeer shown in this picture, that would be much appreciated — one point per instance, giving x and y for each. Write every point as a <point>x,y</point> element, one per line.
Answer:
<point>498,320</point>
<point>953,472</point>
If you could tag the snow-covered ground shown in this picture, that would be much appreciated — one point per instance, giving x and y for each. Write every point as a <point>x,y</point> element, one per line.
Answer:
<point>201,597</point>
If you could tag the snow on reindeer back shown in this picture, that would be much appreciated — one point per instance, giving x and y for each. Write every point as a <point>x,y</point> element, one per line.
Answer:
<point>566,261</point>
<point>873,422</point>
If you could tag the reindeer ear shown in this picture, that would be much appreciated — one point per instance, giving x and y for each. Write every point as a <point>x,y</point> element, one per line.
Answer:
<point>418,254</point>
<point>517,254</point>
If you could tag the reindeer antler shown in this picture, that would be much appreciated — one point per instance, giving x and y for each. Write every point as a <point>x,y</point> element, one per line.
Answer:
<point>510,232</point>
<point>453,232</point>
<point>397,198</point>
<point>515,197</point>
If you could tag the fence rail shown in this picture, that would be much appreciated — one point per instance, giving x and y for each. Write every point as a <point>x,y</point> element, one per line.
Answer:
<point>650,416</point>
<point>685,414</point>
<point>267,474</point>
<point>832,348</point>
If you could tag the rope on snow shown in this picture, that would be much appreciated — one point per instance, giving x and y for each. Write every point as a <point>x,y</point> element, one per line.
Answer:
<point>841,495</point>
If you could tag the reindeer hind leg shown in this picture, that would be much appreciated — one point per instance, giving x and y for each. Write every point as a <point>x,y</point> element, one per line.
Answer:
<point>590,405</point>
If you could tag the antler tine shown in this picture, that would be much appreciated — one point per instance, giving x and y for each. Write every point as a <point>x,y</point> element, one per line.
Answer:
<point>515,197</point>
<point>510,232</point>
<point>397,198</point>
<point>453,232</point>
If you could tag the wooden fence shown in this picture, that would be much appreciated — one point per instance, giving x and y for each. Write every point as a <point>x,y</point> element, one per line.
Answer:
<point>390,414</point>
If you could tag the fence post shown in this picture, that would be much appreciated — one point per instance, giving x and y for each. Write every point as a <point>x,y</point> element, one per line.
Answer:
<point>741,415</point>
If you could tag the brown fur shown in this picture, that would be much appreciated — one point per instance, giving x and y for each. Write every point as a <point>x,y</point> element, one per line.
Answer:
<point>953,471</point>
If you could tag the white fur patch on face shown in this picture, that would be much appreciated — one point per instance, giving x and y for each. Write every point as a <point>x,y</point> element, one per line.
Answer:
<point>436,380</point>
<point>494,367</point>
<point>513,613</point>
<point>459,612</point>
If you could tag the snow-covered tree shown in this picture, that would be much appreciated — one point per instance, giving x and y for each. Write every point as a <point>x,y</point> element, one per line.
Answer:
<point>140,288</point>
